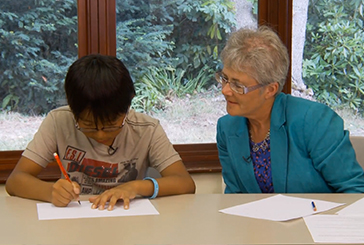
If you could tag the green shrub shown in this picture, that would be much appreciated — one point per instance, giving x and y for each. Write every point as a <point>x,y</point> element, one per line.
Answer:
<point>185,34</point>
<point>39,42</point>
<point>31,74</point>
<point>167,44</point>
<point>334,52</point>
<point>161,84</point>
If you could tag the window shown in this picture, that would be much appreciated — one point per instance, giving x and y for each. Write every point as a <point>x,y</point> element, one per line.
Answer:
<point>327,57</point>
<point>38,41</point>
<point>171,47</point>
<point>97,32</point>
<point>172,50</point>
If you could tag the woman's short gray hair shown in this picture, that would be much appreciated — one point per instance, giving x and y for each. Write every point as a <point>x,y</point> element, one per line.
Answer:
<point>259,53</point>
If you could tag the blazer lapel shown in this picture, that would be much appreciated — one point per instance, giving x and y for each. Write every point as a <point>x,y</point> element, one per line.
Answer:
<point>279,145</point>
<point>242,162</point>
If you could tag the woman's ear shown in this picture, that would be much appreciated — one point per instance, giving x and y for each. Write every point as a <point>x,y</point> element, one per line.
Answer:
<point>271,90</point>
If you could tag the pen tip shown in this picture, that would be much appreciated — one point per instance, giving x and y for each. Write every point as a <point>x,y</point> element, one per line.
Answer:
<point>79,202</point>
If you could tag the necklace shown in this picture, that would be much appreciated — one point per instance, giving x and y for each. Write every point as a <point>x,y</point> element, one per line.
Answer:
<point>262,145</point>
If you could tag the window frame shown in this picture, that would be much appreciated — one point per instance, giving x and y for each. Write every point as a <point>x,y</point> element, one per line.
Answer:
<point>97,34</point>
<point>96,27</point>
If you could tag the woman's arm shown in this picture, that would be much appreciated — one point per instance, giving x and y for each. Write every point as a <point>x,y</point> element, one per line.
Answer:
<point>331,151</point>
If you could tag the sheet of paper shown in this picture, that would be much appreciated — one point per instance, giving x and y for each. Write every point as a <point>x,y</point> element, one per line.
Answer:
<point>280,208</point>
<point>357,209</point>
<point>47,211</point>
<point>336,228</point>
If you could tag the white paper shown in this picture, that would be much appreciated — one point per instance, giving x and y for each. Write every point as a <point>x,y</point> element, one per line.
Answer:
<point>336,228</point>
<point>356,209</point>
<point>47,211</point>
<point>280,208</point>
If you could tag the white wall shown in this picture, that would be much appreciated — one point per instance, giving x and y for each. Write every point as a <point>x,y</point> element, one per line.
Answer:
<point>208,183</point>
<point>3,191</point>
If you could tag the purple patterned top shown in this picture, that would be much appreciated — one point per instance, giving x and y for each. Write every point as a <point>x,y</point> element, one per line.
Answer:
<point>261,164</point>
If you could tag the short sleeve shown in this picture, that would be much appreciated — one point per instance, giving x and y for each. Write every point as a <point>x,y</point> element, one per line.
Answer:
<point>41,148</point>
<point>161,152</point>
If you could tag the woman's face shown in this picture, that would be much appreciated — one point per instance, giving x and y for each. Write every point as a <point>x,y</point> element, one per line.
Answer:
<point>247,105</point>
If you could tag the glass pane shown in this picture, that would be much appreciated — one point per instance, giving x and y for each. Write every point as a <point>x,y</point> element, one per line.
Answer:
<point>38,42</point>
<point>327,56</point>
<point>172,50</point>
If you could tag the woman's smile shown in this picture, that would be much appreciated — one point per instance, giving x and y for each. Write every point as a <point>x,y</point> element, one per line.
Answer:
<point>231,102</point>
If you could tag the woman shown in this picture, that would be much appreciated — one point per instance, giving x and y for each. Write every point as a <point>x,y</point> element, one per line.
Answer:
<point>272,142</point>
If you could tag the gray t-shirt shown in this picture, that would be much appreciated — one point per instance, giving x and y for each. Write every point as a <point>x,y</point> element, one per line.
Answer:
<point>142,143</point>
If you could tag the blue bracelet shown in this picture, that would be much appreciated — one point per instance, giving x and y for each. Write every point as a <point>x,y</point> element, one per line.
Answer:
<point>156,187</point>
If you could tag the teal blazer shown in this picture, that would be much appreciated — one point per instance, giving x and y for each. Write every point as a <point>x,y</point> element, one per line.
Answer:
<point>310,151</point>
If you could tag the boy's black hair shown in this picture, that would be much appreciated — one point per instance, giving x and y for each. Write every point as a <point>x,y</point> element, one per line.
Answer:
<point>100,85</point>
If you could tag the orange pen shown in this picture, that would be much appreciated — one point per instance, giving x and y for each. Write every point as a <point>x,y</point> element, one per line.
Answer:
<point>63,170</point>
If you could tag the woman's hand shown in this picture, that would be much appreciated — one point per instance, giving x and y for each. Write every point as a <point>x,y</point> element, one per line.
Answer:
<point>63,192</point>
<point>124,192</point>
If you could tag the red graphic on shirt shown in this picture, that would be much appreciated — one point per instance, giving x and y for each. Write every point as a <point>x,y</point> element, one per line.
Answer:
<point>74,154</point>
<point>94,168</point>
<point>94,176</point>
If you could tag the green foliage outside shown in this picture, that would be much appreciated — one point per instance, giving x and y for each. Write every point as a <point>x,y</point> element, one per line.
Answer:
<point>255,6</point>
<point>168,45</point>
<point>163,43</point>
<point>159,85</point>
<point>171,48</point>
<point>334,52</point>
<point>37,44</point>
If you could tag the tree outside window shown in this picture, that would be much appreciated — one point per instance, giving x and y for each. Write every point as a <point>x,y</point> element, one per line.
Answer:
<point>328,51</point>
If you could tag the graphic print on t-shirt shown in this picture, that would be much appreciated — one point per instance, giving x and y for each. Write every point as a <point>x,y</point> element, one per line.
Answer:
<point>94,176</point>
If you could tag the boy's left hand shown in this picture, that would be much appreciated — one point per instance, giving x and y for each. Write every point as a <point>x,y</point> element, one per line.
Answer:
<point>124,192</point>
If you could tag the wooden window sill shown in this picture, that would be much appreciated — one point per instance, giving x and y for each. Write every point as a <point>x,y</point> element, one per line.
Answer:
<point>198,158</point>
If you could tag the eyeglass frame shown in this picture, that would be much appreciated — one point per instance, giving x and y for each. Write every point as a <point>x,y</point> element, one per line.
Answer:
<point>220,78</point>
<point>94,130</point>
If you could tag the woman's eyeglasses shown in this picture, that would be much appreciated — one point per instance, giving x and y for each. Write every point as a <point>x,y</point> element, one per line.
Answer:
<point>235,86</point>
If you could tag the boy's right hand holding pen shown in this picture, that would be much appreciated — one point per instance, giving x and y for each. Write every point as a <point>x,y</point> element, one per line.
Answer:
<point>64,190</point>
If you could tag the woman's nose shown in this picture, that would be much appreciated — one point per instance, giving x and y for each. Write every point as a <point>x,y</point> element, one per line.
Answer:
<point>226,90</point>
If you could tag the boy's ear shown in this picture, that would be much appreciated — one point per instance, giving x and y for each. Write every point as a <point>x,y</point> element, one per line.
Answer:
<point>271,90</point>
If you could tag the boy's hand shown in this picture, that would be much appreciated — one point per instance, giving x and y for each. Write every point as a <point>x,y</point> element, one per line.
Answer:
<point>63,192</point>
<point>124,192</point>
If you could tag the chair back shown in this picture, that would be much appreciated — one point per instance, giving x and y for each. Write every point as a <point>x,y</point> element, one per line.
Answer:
<point>358,145</point>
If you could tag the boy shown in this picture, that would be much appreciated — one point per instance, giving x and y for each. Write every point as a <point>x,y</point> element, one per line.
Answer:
<point>104,146</point>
